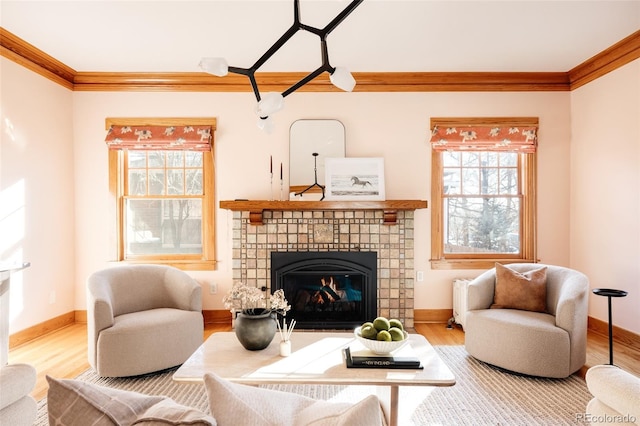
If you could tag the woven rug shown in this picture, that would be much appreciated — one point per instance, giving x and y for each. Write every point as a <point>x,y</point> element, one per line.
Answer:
<point>483,395</point>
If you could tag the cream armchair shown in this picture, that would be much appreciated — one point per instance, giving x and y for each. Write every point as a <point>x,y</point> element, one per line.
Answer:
<point>17,407</point>
<point>547,344</point>
<point>141,319</point>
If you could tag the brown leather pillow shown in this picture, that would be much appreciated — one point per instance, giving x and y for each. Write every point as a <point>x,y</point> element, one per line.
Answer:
<point>515,290</point>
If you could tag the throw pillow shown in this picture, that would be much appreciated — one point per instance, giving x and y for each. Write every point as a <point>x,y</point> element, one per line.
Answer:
<point>526,291</point>
<point>271,407</point>
<point>72,402</point>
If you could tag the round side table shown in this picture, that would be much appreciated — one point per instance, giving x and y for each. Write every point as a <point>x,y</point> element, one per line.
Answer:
<point>609,293</point>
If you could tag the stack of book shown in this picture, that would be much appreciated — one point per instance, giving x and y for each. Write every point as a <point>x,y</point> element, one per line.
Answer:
<point>363,358</point>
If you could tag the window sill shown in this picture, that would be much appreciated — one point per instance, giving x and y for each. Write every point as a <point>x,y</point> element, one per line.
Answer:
<point>185,265</point>
<point>473,263</point>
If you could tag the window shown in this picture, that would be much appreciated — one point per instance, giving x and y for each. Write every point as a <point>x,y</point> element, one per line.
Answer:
<point>483,191</point>
<point>161,181</point>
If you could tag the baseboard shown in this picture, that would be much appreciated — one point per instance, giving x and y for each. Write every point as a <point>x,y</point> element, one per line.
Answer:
<point>217,316</point>
<point>81,316</point>
<point>432,315</point>
<point>41,329</point>
<point>620,335</point>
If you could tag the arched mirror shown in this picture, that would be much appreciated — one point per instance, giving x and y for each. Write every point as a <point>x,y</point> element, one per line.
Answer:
<point>326,138</point>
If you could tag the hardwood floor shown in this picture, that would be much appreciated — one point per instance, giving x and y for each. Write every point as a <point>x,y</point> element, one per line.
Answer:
<point>63,353</point>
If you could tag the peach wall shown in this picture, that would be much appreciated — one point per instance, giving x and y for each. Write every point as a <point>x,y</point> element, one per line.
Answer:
<point>37,195</point>
<point>605,190</point>
<point>389,125</point>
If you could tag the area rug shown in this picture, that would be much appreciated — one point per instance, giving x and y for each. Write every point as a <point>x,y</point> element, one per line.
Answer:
<point>483,395</point>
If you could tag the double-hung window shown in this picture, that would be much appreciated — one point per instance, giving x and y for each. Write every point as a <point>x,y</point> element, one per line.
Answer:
<point>162,185</point>
<point>483,191</point>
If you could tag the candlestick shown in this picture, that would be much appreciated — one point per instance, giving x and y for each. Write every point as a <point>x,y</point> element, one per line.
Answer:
<point>281,184</point>
<point>271,187</point>
<point>271,178</point>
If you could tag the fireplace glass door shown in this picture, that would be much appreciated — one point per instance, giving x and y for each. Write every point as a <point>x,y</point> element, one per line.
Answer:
<point>327,290</point>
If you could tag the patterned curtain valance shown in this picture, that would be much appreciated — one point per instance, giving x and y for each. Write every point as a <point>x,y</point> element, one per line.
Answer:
<point>484,137</point>
<point>168,138</point>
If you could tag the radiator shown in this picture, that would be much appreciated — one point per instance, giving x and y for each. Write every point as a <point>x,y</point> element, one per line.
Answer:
<point>460,300</point>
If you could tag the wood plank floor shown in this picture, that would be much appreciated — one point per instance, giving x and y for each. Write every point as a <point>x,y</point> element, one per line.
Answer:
<point>63,353</point>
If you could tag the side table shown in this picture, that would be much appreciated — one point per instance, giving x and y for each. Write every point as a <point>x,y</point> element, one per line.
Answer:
<point>609,293</point>
<point>6,269</point>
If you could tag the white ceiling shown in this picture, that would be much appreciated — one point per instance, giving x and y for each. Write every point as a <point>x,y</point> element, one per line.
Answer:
<point>380,35</point>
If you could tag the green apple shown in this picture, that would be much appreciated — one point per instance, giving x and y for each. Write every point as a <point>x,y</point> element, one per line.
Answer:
<point>384,336</point>
<point>381,323</point>
<point>396,334</point>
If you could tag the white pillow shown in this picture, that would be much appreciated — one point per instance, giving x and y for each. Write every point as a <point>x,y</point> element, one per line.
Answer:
<point>233,403</point>
<point>72,402</point>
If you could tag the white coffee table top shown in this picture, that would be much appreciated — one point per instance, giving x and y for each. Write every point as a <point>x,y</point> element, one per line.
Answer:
<point>316,358</point>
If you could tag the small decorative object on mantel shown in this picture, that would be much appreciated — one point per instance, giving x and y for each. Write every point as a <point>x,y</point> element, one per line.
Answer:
<point>255,324</point>
<point>281,184</point>
<point>354,179</point>
<point>271,177</point>
<point>315,183</point>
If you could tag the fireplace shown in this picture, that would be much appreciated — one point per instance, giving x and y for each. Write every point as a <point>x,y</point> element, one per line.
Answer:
<point>327,290</point>
<point>329,231</point>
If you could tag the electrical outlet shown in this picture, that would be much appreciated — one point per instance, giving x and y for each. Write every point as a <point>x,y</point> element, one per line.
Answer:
<point>420,276</point>
<point>213,288</point>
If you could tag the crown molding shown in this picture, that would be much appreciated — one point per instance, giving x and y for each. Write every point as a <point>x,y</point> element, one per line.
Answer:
<point>621,53</point>
<point>27,55</point>
<point>19,51</point>
<point>367,82</point>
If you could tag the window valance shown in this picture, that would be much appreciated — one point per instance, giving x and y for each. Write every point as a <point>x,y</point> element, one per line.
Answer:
<point>168,138</point>
<point>492,134</point>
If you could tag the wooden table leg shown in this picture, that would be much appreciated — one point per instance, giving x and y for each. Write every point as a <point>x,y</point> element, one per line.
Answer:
<point>388,396</point>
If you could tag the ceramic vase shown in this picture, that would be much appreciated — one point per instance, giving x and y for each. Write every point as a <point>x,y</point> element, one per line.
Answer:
<point>255,332</point>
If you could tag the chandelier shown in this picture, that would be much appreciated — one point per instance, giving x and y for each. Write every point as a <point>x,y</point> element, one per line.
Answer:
<point>273,102</point>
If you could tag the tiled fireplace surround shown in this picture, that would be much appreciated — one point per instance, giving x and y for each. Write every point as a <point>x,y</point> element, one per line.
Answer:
<point>359,230</point>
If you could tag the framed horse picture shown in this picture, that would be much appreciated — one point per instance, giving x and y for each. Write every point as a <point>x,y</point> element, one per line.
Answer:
<point>354,179</point>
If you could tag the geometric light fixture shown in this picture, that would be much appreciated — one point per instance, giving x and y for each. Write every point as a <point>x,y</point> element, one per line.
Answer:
<point>273,102</point>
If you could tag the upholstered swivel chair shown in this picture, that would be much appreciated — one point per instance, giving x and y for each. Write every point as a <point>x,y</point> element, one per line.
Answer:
<point>141,319</point>
<point>552,343</point>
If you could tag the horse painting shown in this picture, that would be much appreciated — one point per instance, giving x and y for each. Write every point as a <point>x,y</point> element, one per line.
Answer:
<point>355,181</point>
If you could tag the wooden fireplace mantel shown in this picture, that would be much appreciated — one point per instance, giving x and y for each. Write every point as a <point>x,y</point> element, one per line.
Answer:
<point>256,208</point>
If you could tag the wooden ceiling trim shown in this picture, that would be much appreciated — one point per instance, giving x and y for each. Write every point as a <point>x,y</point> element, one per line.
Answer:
<point>23,53</point>
<point>621,53</point>
<point>34,59</point>
<point>366,82</point>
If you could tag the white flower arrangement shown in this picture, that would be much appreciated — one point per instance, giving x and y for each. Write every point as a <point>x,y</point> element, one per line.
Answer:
<point>251,300</point>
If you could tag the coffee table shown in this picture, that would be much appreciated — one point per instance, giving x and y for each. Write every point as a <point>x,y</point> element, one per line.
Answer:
<point>316,359</point>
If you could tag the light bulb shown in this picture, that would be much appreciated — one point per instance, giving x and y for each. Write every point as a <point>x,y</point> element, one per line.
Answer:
<point>342,79</point>
<point>215,66</point>
<point>270,103</point>
<point>266,124</point>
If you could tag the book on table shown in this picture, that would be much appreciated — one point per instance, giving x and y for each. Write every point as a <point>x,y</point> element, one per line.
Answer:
<point>360,357</point>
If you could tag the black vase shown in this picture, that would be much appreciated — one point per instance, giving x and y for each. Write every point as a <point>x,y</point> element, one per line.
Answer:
<point>255,332</point>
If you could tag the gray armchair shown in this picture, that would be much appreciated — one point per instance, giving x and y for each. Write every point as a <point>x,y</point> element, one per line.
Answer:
<point>549,344</point>
<point>141,319</point>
